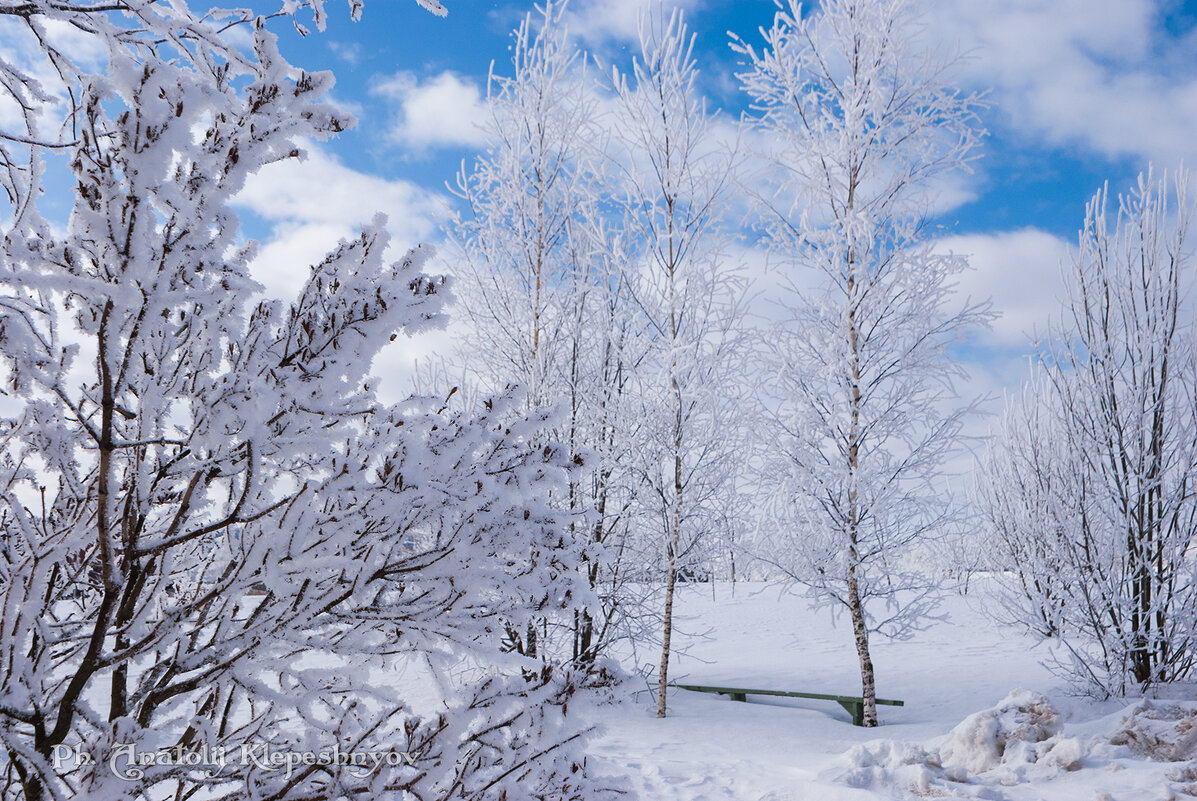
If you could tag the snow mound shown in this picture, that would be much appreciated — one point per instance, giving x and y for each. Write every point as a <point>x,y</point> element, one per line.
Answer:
<point>1018,750</point>
<point>1016,741</point>
<point>884,762</point>
<point>1016,731</point>
<point>1159,733</point>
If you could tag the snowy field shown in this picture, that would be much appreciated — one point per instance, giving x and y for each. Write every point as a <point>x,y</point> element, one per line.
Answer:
<point>776,749</point>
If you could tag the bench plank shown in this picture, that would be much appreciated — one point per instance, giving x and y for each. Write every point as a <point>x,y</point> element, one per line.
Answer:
<point>853,704</point>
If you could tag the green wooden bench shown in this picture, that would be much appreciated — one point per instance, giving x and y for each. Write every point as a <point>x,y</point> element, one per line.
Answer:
<point>854,704</point>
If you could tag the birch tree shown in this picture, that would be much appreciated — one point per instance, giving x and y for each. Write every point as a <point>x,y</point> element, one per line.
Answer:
<point>862,121</point>
<point>677,174</point>
<point>546,294</point>
<point>214,537</point>
<point>1105,481</point>
<point>518,245</point>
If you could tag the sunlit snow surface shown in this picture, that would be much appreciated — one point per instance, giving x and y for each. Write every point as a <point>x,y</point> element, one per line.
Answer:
<point>957,679</point>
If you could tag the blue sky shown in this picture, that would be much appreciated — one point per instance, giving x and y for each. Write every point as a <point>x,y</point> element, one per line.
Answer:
<point>1037,169</point>
<point>1080,91</point>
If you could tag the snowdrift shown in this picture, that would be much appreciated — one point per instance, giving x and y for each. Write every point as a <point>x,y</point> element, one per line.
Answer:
<point>1020,748</point>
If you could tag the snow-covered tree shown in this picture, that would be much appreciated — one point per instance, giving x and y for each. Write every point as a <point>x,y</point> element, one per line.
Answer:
<point>215,538</point>
<point>521,244</point>
<point>1091,486</point>
<point>608,352</point>
<point>544,289</point>
<point>677,174</point>
<point>862,120</point>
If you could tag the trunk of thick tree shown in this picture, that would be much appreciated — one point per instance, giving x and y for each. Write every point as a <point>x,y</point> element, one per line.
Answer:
<point>584,640</point>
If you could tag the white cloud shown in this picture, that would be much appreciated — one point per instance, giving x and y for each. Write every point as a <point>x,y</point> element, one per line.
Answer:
<point>1102,74</point>
<point>596,21</point>
<point>349,52</point>
<point>314,203</point>
<point>1018,270</point>
<point>444,110</point>
<point>948,191</point>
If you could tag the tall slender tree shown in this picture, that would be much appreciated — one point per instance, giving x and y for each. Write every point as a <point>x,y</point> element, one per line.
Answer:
<point>520,242</point>
<point>863,121</point>
<point>546,296</point>
<point>677,173</point>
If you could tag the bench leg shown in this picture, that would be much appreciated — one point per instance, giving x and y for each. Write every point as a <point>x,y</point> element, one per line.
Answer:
<point>737,696</point>
<point>856,710</point>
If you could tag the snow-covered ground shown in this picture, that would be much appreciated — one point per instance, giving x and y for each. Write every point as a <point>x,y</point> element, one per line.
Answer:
<point>1042,744</point>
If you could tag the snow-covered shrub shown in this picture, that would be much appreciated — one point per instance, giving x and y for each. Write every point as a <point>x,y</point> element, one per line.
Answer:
<point>215,538</point>
<point>1088,491</point>
<point>887,762</point>
<point>1020,748</point>
<point>1018,740</point>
